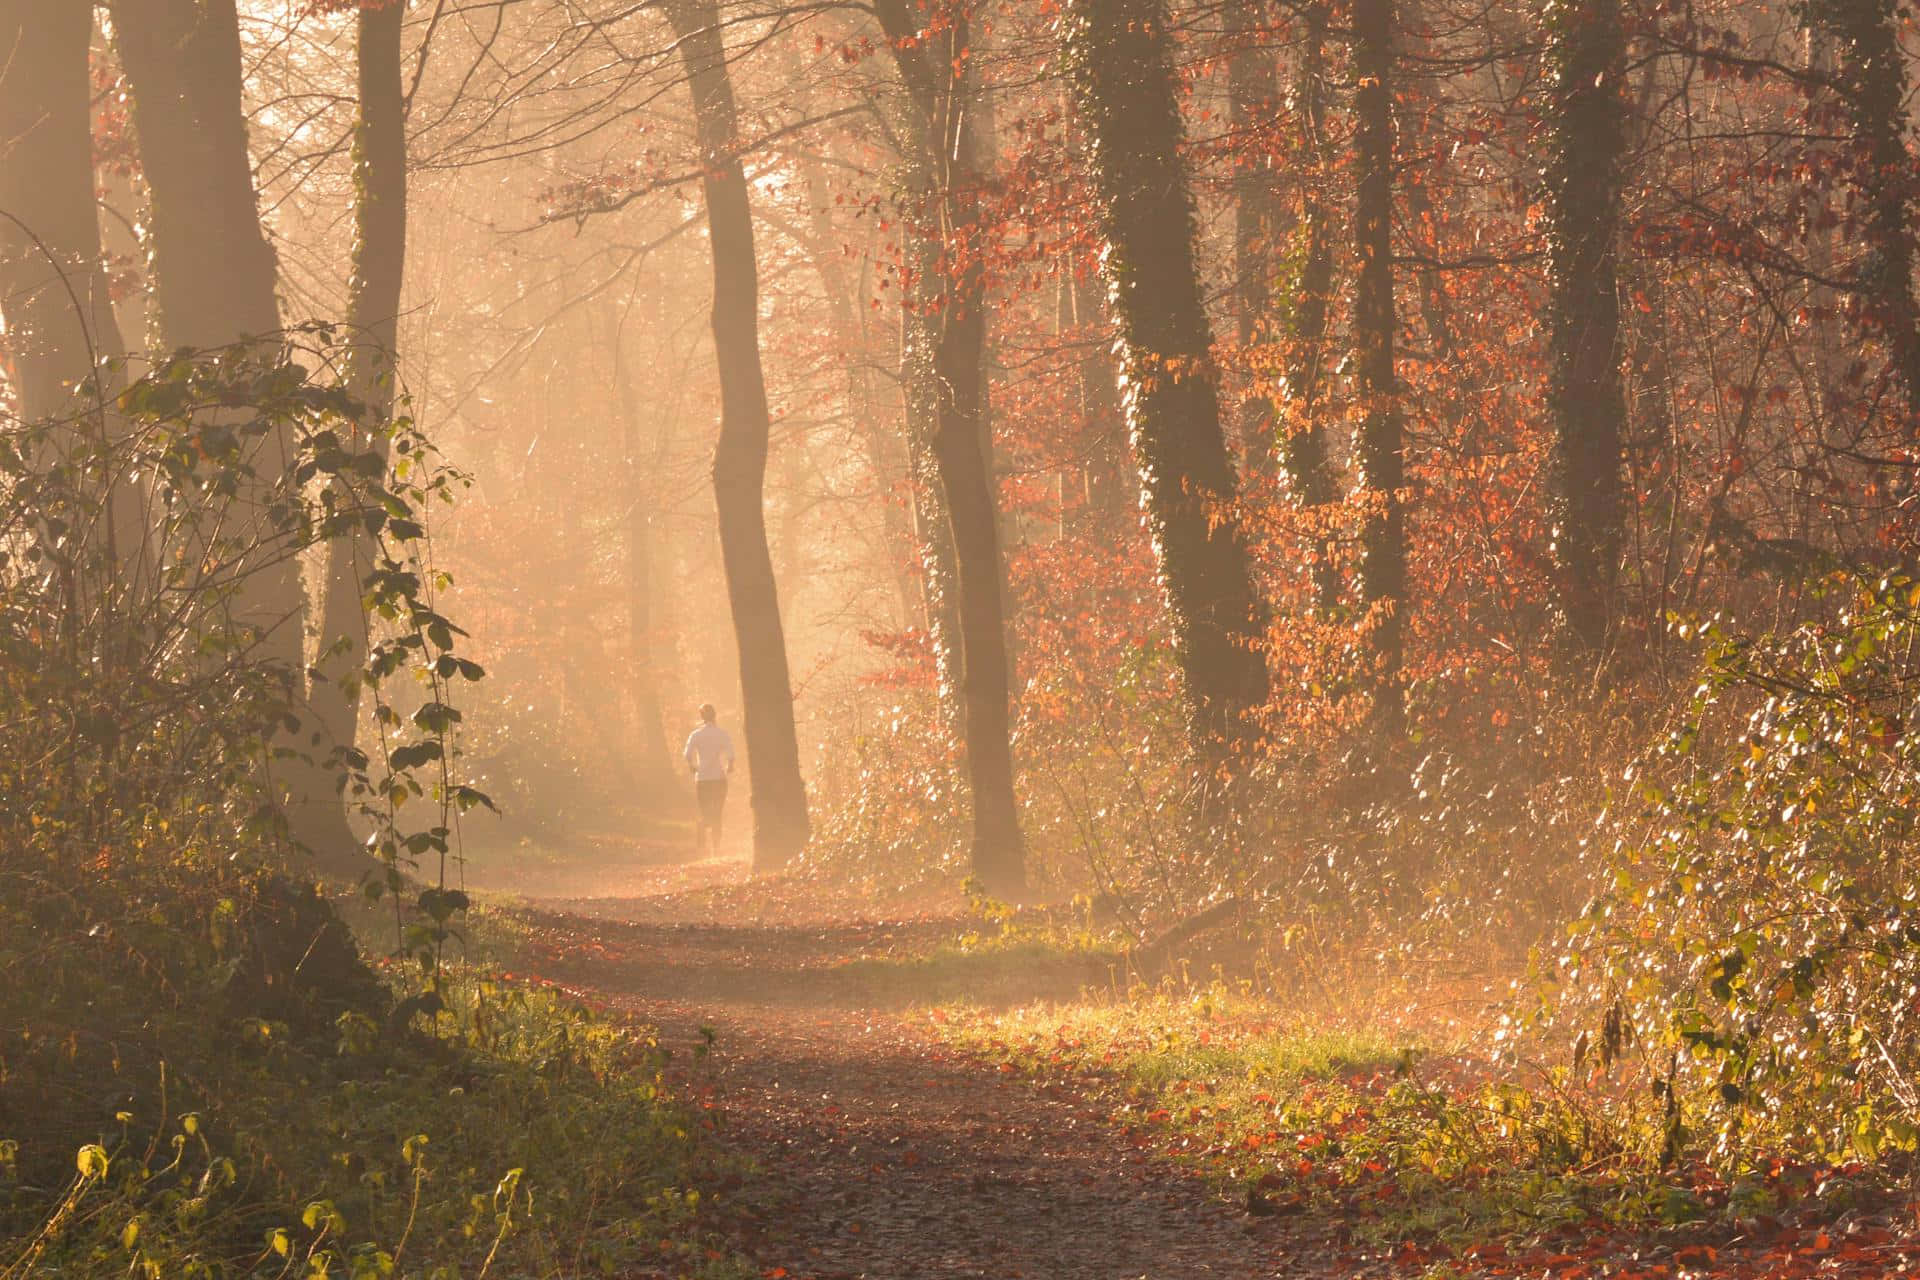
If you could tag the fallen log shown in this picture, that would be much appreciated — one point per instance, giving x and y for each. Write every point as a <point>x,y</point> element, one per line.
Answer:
<point>1150,959</point>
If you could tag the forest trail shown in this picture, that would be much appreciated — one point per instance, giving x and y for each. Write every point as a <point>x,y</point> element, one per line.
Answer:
<point>883,1154</point>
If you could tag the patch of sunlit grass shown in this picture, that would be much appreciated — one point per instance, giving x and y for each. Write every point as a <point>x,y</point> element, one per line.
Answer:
<point>1168,1038</point>
<point>1407,1139</point>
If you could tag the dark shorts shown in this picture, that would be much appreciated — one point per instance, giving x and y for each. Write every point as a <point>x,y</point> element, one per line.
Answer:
<point>713,800</point>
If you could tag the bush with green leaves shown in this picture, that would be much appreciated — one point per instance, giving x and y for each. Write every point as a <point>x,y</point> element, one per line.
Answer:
<point>1754,954</point>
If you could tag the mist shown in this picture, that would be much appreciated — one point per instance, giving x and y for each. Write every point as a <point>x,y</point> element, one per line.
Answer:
<point>958,638</point>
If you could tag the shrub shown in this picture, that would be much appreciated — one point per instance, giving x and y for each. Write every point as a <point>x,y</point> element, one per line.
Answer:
<point>1753,950</point>
<point>198,1073</point>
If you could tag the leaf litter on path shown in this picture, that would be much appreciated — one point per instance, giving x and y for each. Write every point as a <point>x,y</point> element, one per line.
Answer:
<point>876,1151</point>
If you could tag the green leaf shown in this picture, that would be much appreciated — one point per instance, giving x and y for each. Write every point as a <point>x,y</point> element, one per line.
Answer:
<point>436,717</point>
<point>414,754</point>
<point>442,903</point>
<point>466,798</point>
<point>91,1160</point>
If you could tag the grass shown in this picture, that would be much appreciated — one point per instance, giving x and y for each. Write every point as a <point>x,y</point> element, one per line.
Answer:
<point>995,966</point>
<point>1376,1139</point>
<point>1406,1141</point>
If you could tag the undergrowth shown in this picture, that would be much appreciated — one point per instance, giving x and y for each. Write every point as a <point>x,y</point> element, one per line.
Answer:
<point>512,1133</point>
<point>1400,1143</point>
<point>200,1074</point>
<point>1721,1039</point>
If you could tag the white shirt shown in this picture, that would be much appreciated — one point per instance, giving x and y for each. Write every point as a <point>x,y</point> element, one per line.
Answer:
<point>710,753</point>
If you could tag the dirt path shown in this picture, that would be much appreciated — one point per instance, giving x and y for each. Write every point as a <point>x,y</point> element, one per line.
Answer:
<point>882,1154</point>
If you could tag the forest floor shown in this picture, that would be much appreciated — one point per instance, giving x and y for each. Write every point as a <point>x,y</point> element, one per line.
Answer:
<point>880,1151</point>
<point>874,1143</point>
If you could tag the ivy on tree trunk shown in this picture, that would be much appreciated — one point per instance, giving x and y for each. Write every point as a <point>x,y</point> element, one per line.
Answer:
<point>1119,61</point>
<point>1586,397</point>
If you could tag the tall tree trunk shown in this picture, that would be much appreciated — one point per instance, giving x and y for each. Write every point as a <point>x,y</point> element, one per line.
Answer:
<point>373,327</point>
<point>1417,105</point>
<point>213,277</point>
<point>933,530</point>
<point>53,280</point>
<point>998,854</point>
<point>1870,78</point>
<point>949,303</point>
<point>1586,398</point>
<point>1120,63</point>
<point>1303,446</point>
<point>58,310</point>
<point>213,270</point>
<point>1259,225</point>
<point>1111,482</point>
<point>1382,443</point>
<point>780,825</point>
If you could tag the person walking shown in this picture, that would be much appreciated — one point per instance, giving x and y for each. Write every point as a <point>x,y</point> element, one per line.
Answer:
<point>709,754</point>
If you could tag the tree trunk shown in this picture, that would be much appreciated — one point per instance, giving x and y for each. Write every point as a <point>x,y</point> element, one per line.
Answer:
<point>214,273</point>
<point>780,825</point>
<point>998,853</point>
<point>1382,443</point>
<point>933,531</point>
<point>949,305</point>
<point>53,281</point>
<point>1870,78</point>
<point>1112,485</point>
<point>373,327</point>
<point>1119,60</point>
<point>59,313</point>
<point>1303,447</point>
<point>1253,88</point>
<point>1586,399</point>
<point>1416,107</point>
<point>213,278</point>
